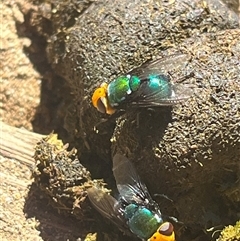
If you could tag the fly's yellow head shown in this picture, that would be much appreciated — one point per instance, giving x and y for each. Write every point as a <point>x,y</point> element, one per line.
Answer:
<point>100,100</point>
<point>164,233</point>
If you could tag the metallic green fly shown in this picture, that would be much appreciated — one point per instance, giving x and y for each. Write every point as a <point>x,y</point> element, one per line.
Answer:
<point>149,85</point>
<point>134,210</point>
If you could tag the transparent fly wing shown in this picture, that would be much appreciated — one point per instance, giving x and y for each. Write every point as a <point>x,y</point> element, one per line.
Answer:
<point>176,94</point>
<point>102,202</point>
<point>163,65</point>
<point>129,185</point>
<point>165,92</point>
<point>108,207</point>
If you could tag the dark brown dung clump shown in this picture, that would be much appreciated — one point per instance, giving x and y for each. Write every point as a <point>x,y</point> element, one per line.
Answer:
<point>61,176</point>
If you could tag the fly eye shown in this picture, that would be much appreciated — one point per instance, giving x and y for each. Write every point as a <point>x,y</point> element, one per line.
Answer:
<point>166,229</point>
<point>100,106</point>
<point>100,91</point>
<point>97,95</point>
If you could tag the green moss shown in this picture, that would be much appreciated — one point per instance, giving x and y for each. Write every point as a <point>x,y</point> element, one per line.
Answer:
<point>91,237</point>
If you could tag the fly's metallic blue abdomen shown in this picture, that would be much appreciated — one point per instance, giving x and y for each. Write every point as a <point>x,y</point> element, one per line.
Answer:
<point>141,221</point>
<point>156,84</point>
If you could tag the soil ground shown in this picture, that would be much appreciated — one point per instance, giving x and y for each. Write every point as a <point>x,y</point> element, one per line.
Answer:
<point>21,218</point>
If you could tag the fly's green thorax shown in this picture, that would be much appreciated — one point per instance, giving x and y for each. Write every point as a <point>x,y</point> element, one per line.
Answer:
<point>121,87</point>
<point>142,221</point>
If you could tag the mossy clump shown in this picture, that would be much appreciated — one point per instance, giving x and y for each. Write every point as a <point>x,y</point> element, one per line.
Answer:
<point>91,237</point>
<point>230,233</point>
<point>59,173</point>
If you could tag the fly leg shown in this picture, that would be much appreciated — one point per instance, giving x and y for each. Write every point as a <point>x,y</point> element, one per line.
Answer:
<point>109,118</point>
<point>174,220</point>
<point>183,78</point>
<point>163,195</point>
<point>167,198</point>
